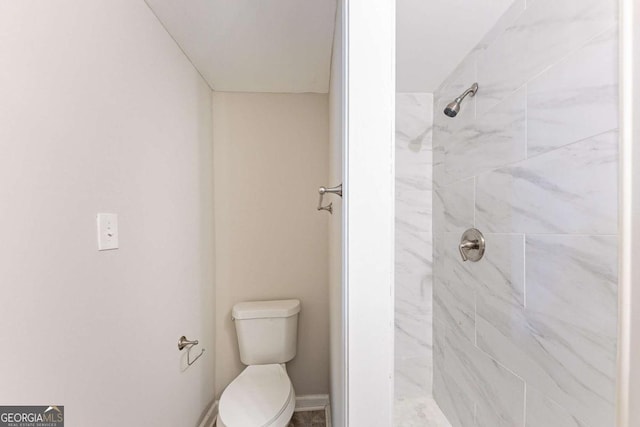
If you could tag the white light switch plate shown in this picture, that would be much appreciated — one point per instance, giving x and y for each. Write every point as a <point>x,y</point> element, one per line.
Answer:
<point>107,231</point>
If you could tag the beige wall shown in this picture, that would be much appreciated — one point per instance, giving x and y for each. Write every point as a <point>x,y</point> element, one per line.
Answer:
<point>101,112</point>
<point>270,157</point>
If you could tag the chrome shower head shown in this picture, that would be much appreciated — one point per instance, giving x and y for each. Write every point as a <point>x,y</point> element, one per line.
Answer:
<point>453,108</point>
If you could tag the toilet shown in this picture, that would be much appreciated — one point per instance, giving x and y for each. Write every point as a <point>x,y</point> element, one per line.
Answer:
<point>262,395</point>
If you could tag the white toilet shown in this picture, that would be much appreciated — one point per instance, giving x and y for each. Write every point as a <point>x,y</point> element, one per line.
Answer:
<point>262,395</point>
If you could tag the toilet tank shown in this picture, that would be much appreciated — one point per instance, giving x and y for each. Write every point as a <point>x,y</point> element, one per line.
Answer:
<point>267,330</point>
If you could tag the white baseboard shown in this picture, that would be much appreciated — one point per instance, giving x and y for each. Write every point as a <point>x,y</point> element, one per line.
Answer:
<point>209,419</point>
<point>312,402</point>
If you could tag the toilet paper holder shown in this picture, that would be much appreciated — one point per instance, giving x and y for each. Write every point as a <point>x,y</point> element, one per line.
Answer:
<point>183,343</point>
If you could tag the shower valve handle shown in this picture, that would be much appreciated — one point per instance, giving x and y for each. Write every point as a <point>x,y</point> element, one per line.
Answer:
<point>471,245</point>
<point>465,246</point>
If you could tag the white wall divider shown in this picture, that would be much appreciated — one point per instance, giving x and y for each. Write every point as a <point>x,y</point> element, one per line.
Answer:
<point>369,210</point>
<point>628,398</point>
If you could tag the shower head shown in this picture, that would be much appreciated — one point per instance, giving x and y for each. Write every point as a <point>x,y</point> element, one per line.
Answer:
<point>453,107</point>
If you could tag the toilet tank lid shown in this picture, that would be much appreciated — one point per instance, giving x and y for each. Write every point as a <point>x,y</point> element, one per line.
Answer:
<point>265,309</point>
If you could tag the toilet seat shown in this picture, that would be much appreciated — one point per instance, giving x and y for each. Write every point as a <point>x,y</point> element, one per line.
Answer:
<point>261,396</point>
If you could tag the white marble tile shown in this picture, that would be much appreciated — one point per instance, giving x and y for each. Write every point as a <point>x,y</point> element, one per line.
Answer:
<point>412,169</point>
<point>414,287</point>
<point>413,251</point>
<point>413,315</point>
<point>439,134</point>
<point>438,331</point>
<point>543,412</point>
<point>441,176</point>
<point>564,343</point>
<point>444,127</point>
<point>493,139</point>
<point>414,118</point>
<point>501,270</point>
<point>494,326</point>
<point>437,206</point>
<point>418,412</point>
<point>568,190</point>
<point>454,305</point>
<point>414,243</point>
<point>438,260</point>
<point>411,177</point>
<point>414,210</point>
<point>458,408</point>
<point>412,338</point>
<point>457,203</point>
<point>546,32</point>
<point>578,275</point>
<point>572,298</point>
<point>455,269</point>
<point>499,274</point>
<point>454,402</point>
<point>498,393</point>
<point>504,22</point>
<point>413,377</point>
<point>566,104</point>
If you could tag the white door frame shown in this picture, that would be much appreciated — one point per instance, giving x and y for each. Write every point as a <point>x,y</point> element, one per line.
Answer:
<point>369,53</point>
<point>628,399</point>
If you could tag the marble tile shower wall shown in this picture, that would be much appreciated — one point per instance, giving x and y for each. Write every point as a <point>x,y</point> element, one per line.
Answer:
<point>527,336</point>
<point>413,281</point>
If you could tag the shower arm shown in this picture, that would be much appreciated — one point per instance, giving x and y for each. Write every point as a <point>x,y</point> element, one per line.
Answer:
<point>472,90</point>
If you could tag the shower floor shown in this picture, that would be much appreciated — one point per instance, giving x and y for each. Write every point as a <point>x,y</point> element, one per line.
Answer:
<point>418,412</point>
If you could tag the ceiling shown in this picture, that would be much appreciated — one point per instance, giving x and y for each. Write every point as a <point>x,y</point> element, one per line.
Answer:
<point>254,45</point>
<point>285,45</point>
<point>433,36</point>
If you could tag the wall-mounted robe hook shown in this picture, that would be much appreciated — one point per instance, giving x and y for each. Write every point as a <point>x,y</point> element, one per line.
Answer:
<point>333,190</point>
<point>183,342</point>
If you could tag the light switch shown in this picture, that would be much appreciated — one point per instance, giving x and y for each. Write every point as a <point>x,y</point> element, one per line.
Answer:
<point>107,231</point>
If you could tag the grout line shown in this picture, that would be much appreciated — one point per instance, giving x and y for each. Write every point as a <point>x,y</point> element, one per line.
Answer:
<point>517,233</point>
<point>524,406</point>
<point>572,52</point>
<point>475,413</point>
<point>527,157</point>
<point>566,234</point>
<point>475,319</point>
<point>526,121</point>
<point>475,199</point>
<point>516,162</point>
<point>524,271</point>
<point>568,144</point>
<point>550,65</point>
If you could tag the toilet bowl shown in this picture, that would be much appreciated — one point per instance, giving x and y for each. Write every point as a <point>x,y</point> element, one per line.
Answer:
<point>261,396</point>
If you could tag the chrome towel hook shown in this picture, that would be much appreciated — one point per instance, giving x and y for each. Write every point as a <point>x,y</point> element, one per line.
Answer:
<point>183,342</point>
<point>324,190</point>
